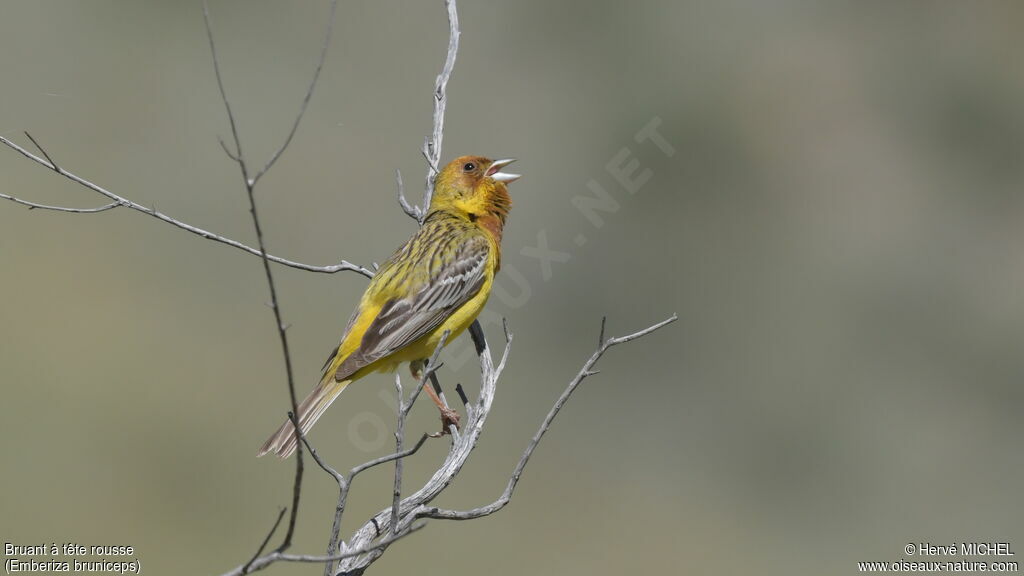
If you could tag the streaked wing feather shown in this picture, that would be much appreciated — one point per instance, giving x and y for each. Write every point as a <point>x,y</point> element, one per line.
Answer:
<point>403,321</point>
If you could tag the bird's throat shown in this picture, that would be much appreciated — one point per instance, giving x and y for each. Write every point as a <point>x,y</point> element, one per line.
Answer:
<point>493,225</point>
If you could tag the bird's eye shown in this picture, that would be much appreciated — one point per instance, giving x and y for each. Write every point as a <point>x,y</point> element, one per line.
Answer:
<point>469,167</point>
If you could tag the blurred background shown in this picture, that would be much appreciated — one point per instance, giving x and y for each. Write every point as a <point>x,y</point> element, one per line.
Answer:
<point>834,209</point>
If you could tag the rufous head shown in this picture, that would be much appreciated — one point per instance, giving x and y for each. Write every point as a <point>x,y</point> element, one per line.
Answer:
<point>474,186</point>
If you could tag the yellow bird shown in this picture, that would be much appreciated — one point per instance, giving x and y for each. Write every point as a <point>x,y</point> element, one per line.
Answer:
<point>437,282</point>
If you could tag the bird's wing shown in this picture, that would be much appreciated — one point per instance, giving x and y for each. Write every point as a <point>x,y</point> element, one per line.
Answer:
<point>442,277</point>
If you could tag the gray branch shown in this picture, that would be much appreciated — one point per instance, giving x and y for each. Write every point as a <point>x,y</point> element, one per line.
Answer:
<point>432,143</point>
<point>412,211</point>
<point>121,201</point>
<point>34,206</point>
<point>343,487</point>
<point>417,505</point>
<point>266,540</point>
<point>458,454</point>
<point>305,101</point>
<point>265,561</point>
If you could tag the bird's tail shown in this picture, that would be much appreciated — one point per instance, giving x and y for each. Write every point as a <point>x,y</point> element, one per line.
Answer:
<point>284,441</point>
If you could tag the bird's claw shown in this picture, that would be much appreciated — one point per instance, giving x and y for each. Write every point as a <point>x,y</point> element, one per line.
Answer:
<point>449,418</point>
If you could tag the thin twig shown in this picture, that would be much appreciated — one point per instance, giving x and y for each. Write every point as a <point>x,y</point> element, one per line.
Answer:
<point>239,157</point>
<point>41,150</point>
<point>224,146</point>
<point>385,459</point>
<point>266,540</point>
<point>320,461</point>
<point>35,206</point>
<point>306,99</point>
<point>462,394</point>
<point>125,202</point>
<point>396,494</point>
<point>412,211</point>
<point>362,468</point>
<point>432,143</point>
<point>476,333</point>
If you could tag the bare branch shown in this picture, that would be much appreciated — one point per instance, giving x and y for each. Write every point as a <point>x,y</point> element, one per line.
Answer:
<point>118,200</point>
<point>354,553</point>
<point>381,523</point>
<point>462,394</point>
<point>432,144</point>
<point>345,483</point>
<point>385,459</point>
<point>412,211</point>
<point>238,157</point>
<point>264,561</point>
<point>396,494</point>
<point>224,146</point>
<point>34,206</point>
<point>424,511</point>
<point>306,99</point>
<point>266,540</point>
<point>53,164</point>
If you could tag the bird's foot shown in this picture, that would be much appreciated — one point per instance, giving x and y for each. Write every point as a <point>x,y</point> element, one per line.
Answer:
<point>449,418</point>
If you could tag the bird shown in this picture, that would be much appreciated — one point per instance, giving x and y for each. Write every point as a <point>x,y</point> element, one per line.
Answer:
<point>435,283</point>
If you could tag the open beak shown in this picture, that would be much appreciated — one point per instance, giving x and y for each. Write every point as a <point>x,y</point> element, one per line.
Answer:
<point>497,165</point>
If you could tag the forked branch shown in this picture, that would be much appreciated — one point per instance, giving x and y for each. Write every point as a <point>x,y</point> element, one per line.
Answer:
<point>371,540</point>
